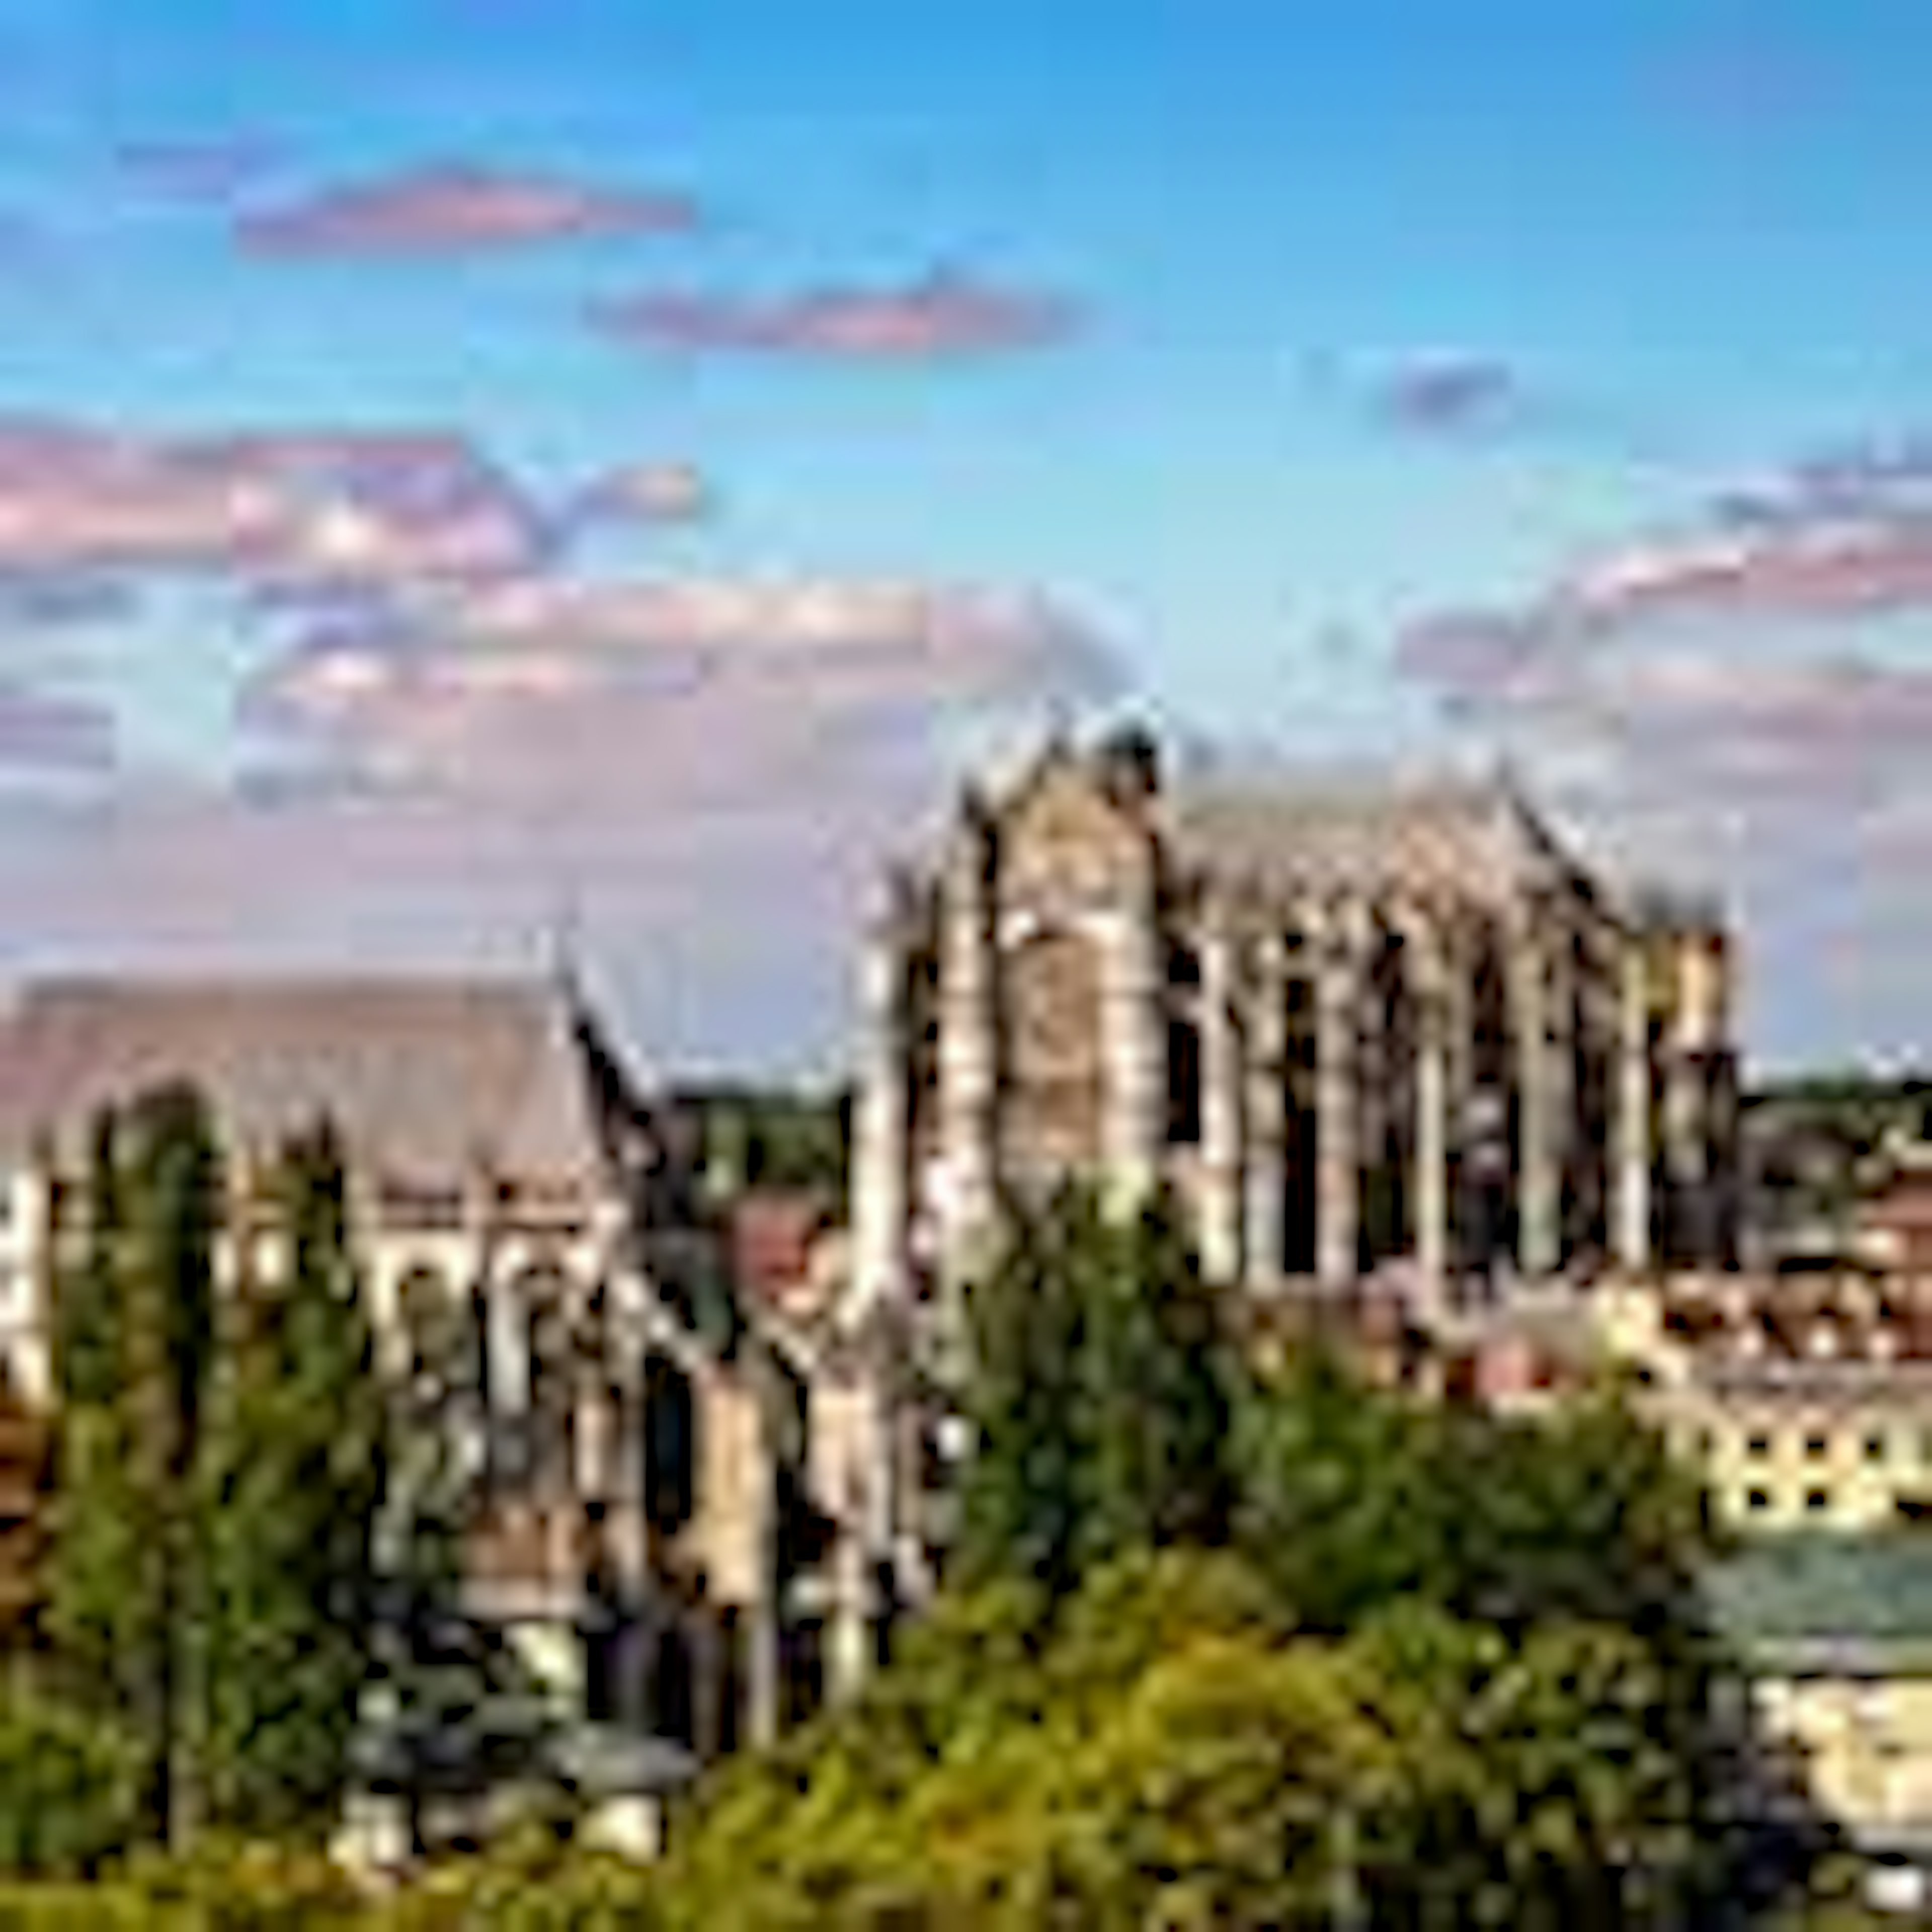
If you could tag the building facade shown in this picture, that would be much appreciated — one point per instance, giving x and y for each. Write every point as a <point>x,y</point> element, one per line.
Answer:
<point>633,1464</point>
<point>1358,1031</point>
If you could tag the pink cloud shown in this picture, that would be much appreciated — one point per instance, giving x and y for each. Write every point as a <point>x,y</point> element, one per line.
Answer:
<point>457,207</point>
<point>304,509</point>
<point>710,772</point>
<point>41,731</point>
<point>644,494</point>
<point>582,685</point>
<point>942,317</point>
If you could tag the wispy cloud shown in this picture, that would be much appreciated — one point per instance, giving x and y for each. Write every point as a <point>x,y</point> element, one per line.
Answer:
<point>296,508</point>
<point>642,495</point>
<point>1758,652</point>
<point>660,683</point>
<point>709,772</point>
<point>945,315</point>
<point>40,730</point>
<point>458,207</point>
<point>200,170</point>
<point>1450,395</point>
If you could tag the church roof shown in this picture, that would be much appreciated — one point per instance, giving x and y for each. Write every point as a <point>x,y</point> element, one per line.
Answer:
<point>1290,833</point>
<point>421,1077</point>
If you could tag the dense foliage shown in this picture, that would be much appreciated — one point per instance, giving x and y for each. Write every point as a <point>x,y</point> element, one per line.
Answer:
<point>1241,1651</point>
<point>288,1490</point>
<point>778,1138</point>
<point>1169,1749</point>
<point>219,1461</point>
<point>1218,1649</point>
<point>1102,1393</point>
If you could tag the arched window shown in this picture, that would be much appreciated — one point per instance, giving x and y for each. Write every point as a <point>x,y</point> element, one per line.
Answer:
<point>431,1322</point>
<point>1183,1082</point>
<point>541,1294</point>
<point>1054,1047</point>
<point>671,1446</point>
<point>673,1706</point>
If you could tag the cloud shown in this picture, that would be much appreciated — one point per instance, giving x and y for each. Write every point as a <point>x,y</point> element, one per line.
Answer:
<point>56,600</point>
<point>644,494</point>
<point>40,731</point>
<point>208,170</point>
<point>1450,395</point>
<point>944,315</point>
<point>1747,693</point>
<point>710,772</point>
<point>457,207</point>
<point>293,510</point>
<point>716,690</point>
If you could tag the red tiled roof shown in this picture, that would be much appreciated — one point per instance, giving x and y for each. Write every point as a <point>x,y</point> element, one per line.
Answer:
<point>771,1236</point>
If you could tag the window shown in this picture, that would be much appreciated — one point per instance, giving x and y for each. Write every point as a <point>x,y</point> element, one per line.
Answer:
<point>670,1475</point>
<point>674,1705</point>
<point>1815,1446</point>
<point>604,1644</point>
<point>432,1321</point>
<point>1184,1083</point>
<point>1816,1502</point>
<point>1875,1447</point>
<point>1759,1446</point>
<point>1757,1502</point>
<point>541,1294</point>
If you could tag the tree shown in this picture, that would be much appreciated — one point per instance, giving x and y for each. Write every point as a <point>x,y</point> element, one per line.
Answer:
<point>104,1611</point>
<point>136,1344</point>
<point>69,1785</point>
<point>1101,1386</point>
<point>1174,1752</point>
<point>288,1486</point>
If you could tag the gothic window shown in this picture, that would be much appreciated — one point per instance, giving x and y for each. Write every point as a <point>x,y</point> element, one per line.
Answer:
<point>673,1707</point>
<point>431,1321</point>
<point>670,1461</point>
<point>1055,1051</point>
<point>1183,1083</point>
<point>542,1294</point>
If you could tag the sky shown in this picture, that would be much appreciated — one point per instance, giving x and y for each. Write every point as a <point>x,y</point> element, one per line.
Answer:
<point>481,476</point>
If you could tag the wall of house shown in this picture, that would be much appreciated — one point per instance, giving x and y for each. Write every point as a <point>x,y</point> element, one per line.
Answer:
<point>1865,1742</point>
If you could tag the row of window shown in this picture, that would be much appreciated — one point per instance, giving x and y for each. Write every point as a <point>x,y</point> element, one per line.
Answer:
<point>1878,1445</point>
<point>1817,1502</point>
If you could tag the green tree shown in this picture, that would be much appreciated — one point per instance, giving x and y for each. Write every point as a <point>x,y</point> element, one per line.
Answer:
<point>288,1485</point>
<point>105,1613</point>
<point>1101,1386</point>
<point>136,1338</point>
<point>1173,1752</point>
<point>70,1785</point>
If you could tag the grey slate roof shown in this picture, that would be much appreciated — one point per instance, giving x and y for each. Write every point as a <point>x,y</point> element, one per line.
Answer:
<point>422,1077</point>
<point>1830,1601</point>
<point>1287,832</point>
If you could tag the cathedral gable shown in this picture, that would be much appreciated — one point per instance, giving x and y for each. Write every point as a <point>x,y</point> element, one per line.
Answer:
<point>1064,841</point>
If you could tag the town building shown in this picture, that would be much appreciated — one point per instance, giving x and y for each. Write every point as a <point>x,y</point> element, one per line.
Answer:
<point>1803,1402</point>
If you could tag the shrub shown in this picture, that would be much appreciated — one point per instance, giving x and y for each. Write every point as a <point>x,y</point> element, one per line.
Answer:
<point>70,1786</point>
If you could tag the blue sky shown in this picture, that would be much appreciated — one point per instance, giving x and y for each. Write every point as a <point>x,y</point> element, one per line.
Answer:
<point>783,401</point>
